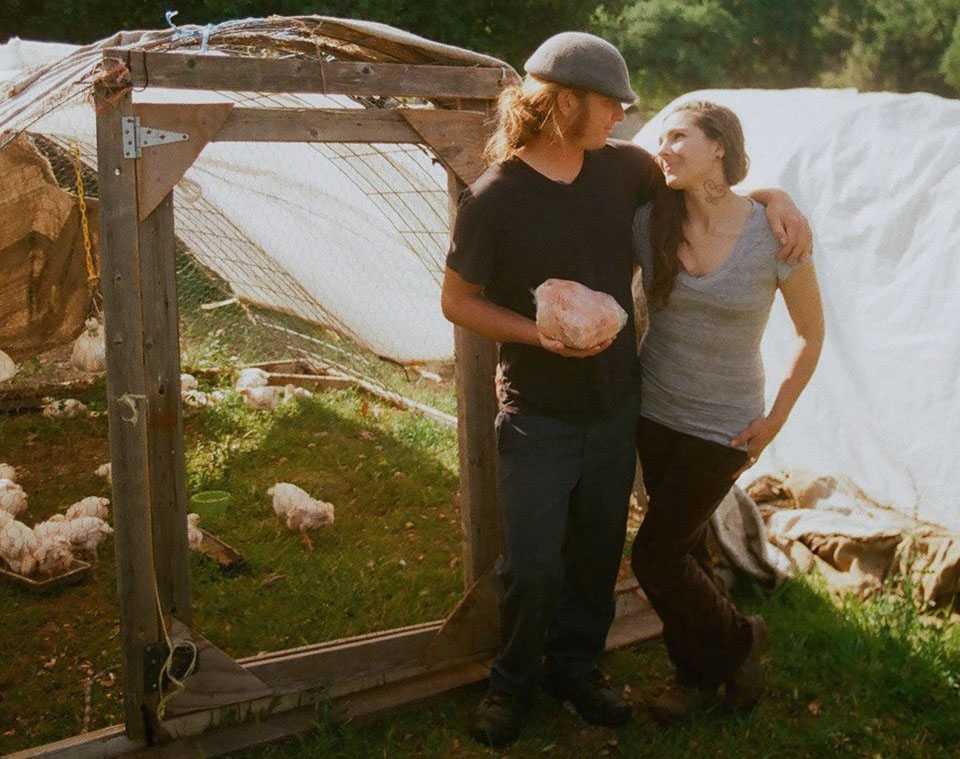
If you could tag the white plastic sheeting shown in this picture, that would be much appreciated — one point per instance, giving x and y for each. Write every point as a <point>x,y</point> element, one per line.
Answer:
<point>351,236</point>
<point>879,177</point>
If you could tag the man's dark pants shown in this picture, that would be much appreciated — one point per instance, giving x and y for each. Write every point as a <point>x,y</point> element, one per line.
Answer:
<point>564,490</point>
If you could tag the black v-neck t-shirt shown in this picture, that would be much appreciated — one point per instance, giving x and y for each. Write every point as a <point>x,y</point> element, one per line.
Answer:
<point>516,228</point>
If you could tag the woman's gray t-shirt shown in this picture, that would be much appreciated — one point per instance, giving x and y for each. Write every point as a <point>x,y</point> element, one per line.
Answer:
<point>700,362</point>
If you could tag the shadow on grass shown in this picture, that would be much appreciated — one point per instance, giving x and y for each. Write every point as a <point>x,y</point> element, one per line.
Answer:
<point>858,679</point>
<point>391,559</point>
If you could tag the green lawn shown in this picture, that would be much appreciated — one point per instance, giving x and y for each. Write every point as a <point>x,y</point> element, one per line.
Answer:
<point>391,559</point>
<point>847,679</point>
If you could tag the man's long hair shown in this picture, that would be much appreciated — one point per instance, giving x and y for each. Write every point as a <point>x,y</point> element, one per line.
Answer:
<point>526,111</point>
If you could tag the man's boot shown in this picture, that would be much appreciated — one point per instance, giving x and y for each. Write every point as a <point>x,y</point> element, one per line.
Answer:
<point>499,718</point>
<point>594,699</point>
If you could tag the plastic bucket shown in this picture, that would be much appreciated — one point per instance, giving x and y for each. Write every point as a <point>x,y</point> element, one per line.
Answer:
<point>211,504</point>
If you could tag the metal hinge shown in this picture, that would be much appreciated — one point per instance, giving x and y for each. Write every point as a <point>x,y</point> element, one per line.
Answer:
<point>136,137</point>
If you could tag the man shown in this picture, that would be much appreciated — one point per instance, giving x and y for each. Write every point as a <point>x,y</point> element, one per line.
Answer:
<point>558,201</point>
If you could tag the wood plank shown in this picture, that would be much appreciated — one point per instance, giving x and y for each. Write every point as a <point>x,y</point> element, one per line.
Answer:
<point>127,408</point>
<point>457,138</point>
<point>238,74</point>
<point>309,381</point>
<point>472,627</point>
<point>162,166</point>
<point>218,679</point>
<point>161,357</point>
<point>476,361</point>
<point>323,665</point>
<point>317,125</point>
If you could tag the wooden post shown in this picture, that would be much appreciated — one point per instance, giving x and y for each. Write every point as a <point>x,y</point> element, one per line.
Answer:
<point>127,406</point>
<point>476,361</point>
<point>161,356</point>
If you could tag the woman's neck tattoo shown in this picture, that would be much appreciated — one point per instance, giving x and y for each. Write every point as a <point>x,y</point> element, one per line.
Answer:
<point>714,192</point>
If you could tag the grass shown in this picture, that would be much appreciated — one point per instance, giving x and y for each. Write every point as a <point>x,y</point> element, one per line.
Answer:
<point>848,679</point>
<point>391,559</point>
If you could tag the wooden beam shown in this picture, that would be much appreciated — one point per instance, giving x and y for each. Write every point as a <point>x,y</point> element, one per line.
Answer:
<point>325,664</point>
<point>362,690</point>
<point>161,166</point>
<point>456,137</point>
<point>476,361</point>
<point>317,125</point>
<point>126,403</point>
<point>218,680</point>
<point>161,357</point>
<point>239,74</point>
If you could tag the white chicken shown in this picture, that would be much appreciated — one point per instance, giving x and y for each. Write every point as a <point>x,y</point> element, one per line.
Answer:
<point>91,506</point>
<point>262,398</point>
<point>8,367</point>
<point>67,409</point>
<point>299,510</point>
<point>251,377</point>
<point>53,556</point>
<point>8,472</point>
<point>18,544</point>
<point>13,498</point>
<point>85,535</point>
<point>89,350</point>
<point>194,534</point>
<point>195,399</point>
<point>104,471</point>
<point>188,382</point>
<point>290,392</point>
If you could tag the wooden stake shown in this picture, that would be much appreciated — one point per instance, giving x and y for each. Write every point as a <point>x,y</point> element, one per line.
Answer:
<point>161,356</point>
<point>127,404</point>
<point>476,361</point>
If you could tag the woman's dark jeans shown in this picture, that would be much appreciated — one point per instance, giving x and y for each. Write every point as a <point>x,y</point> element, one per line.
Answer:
<point>686,477</point>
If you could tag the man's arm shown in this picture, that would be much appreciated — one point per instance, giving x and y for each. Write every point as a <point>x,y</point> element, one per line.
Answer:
<point>789,225</point>
<point>463,303</point>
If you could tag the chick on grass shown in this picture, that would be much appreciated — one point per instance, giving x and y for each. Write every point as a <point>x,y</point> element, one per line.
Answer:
<point>299,510</point>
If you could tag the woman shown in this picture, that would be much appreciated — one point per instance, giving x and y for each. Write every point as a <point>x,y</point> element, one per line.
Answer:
<point>710,273</point>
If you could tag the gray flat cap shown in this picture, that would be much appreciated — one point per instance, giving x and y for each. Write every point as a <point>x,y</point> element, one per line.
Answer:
<point>582,60</point>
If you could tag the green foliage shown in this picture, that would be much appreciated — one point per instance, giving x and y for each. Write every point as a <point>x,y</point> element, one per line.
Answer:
<point>899,45</point>
<point>950,65</point>
<point>673,46</point>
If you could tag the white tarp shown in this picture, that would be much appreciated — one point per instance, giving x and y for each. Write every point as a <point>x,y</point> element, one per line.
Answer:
<point>879,177</point>
<point>362,237</point>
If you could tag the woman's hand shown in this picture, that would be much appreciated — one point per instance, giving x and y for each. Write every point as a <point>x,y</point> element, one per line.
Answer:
<point>555,346</point>
<point>757,436</point>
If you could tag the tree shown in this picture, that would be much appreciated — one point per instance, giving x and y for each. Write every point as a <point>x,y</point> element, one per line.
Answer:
<point>899,45</point>
<point>673,46</point>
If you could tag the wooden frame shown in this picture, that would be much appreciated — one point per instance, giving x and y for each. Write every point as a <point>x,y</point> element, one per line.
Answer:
<point>361,674</point>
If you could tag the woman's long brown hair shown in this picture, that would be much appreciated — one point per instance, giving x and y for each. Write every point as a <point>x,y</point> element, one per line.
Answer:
<point>669,211</point>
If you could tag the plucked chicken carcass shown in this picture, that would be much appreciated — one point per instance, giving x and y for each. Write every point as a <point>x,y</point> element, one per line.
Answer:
<point>13,498</point>
<point>575,315</point>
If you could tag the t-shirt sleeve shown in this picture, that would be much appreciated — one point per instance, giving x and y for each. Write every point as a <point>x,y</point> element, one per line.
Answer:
<point>472,251</point>
<point>644,174</point>
<point>642,249</point>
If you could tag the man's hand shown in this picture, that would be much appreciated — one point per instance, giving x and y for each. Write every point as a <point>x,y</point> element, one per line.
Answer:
<point>791,229</point>
<point>555,346</point>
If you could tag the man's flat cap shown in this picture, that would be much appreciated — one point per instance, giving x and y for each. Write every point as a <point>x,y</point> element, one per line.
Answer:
<point>582,60</point>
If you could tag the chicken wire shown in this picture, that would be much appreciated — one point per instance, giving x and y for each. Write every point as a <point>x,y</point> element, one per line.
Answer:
<point>237,303</point>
